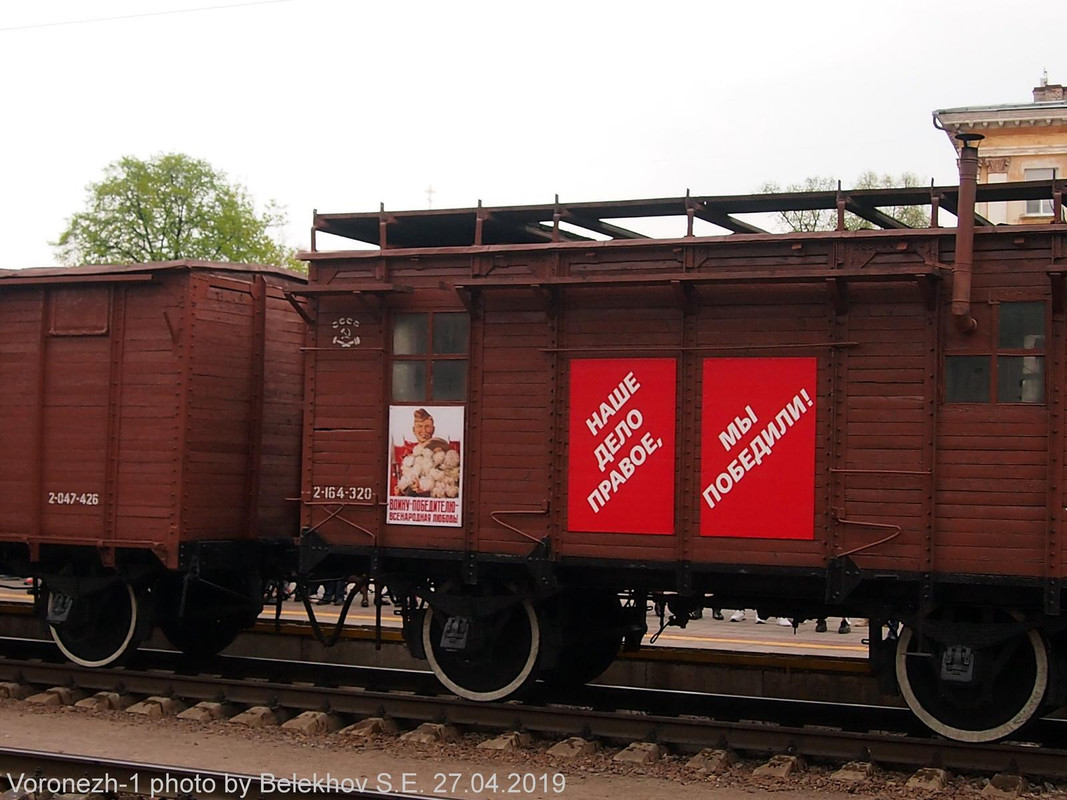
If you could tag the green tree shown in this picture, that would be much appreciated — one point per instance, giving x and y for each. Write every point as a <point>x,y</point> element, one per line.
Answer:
<point>170,207</point>
<point>806,220</point>
<point>912,216</point>
<point>822,219</point>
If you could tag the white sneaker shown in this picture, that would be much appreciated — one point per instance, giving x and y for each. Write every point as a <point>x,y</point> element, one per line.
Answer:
<point>785,623</point>
<point>738,616</point>
<point>760,620</point>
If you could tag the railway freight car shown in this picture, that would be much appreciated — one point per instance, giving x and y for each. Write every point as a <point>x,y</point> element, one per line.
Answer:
<point>530,421</point>
<point>151,418</point>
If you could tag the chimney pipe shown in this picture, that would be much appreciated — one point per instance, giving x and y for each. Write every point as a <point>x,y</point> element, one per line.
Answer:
<point>961,276</point>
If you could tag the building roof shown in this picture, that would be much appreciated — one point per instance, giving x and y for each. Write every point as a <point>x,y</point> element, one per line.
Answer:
<point>1049,108</point>
<point>66,274</point>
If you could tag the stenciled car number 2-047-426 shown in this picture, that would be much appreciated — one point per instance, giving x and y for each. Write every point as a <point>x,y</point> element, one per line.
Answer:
<point>73,499</point>
<point>341,493</point>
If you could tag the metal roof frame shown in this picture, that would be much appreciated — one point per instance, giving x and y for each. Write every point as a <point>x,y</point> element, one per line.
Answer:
<point>538,224</point>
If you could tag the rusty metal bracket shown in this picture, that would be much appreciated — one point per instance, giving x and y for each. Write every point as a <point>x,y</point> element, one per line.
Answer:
<point>175,332</point>
<point>495,516</point>
<point>1053,596</point>
<point>683,577</point>
<point>541,570</point>
<point>296,304</point>
<point>311,551</point>
<point>469,297</point>
<point>926,591</point>
<point>842,578</point>
<point>470,568</point>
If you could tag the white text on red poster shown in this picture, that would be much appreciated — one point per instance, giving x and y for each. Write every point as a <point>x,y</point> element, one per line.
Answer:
<point>758,449</point>
<point>621,462</point>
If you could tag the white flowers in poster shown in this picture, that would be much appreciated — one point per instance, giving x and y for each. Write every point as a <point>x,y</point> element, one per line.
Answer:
<point>425,469</point>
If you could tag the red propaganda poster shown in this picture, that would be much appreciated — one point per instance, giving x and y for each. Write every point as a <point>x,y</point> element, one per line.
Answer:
<point>425,473</point>
<point>621,460</point>
<point>757,467</point>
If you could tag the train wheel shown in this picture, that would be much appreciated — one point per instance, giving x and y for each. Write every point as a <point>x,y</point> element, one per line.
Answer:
<point>201,637</point>
<point>203,617</point>
<point>590,634</point>
<point>1003,691</point>
<point>99,628</point>
<point>487,657</point>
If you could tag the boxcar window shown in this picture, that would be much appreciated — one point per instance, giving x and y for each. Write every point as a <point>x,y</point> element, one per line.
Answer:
<point>451,333</point>
<point>1015,372</point>
<point>1043,207</point>
<point>449,380</point>
<point>1022,326</point>
<point>410,334</point>
<point>1021,376</point>
<point>430,356</point>
<point>1020,379</point>
<point>409,381</point>
<point>967,379</point>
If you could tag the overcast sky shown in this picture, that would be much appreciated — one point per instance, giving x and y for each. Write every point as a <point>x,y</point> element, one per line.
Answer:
<point>341,105</point>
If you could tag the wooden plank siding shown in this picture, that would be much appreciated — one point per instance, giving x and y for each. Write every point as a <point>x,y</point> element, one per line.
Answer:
<point>344,432</point>
<point>517,425</point>
<point>903,481</point>
<point>116,384</point>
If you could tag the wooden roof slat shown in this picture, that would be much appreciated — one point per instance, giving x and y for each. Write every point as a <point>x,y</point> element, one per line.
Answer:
<point>716,217</point>
<point>871,214</point>
<point>525,224</point>
<point>545,233</point>
<point>599,226</point>
<point>951,203</point>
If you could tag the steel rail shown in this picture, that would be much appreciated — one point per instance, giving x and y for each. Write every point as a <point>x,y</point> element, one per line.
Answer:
<point>65,773</point>
<point>685,720</point>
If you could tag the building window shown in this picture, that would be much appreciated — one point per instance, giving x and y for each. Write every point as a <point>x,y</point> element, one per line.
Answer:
<point>1014,372</point>
<point>430,352</point>
<point>1040,207</point>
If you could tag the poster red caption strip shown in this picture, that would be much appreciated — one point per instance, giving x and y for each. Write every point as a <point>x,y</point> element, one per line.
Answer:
<point>621,460</point>
<point>758,452</point>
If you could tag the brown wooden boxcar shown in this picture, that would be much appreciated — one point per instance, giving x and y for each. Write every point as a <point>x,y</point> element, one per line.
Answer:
<point>516,416</point>
<point>152,425</point>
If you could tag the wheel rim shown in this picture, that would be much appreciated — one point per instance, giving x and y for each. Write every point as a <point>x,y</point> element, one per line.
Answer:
<point>970,714</point>
<point>101,628</point>
<point>504,666</point>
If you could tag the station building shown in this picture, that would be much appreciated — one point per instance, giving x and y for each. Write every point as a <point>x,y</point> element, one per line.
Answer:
<point>1023,142</point>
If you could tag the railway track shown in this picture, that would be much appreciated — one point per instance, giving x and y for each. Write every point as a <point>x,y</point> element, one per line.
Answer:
<point>682,720</point>
<point>390,636</point>
<point>39,773</point>
<point>804,676</point>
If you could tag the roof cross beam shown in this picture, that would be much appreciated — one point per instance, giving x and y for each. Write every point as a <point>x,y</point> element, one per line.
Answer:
<point>872,214</point>
<point>599,226</point>
<point>716,217</point>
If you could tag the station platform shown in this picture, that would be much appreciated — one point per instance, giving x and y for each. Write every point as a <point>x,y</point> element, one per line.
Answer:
<point>746,636</point>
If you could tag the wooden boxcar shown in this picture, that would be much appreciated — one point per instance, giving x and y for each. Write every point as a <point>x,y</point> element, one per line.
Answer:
<point>517,416</point>
<point>152,425</point>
